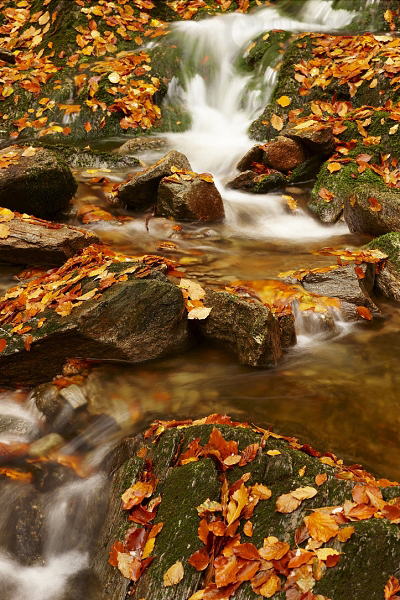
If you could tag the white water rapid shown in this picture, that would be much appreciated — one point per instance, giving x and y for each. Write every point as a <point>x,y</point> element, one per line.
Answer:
<point>222,108</point>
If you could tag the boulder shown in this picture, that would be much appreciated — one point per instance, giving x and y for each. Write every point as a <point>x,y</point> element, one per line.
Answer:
<point>135,320</point>
<point>372,210</point>
<point>193,200</point>
<point>245,180</point>
<point>317,138</point>
<point>255,154</point>
<point>367,559</point>
<point>269,182</point>
<point>345,284</point>
<point>387,281</point>
<point>35,181</point>
<point>248,328</point>
<point>32,241</point>
<point>284,154</point>
<point>140,191</point>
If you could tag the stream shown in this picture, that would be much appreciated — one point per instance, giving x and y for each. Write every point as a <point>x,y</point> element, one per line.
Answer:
<point>335,392</point>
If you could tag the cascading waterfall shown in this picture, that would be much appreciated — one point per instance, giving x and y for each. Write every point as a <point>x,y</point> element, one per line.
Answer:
<point>222,106</point>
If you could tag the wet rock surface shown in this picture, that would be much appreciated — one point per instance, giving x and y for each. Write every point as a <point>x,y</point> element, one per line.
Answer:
<point>141,190</point>
<point>195,200</point>
<point>249,329</point>
<point>387,281</point>
<point>372,211</point>
<point>368,558</point>
<point>255,154</point>
<point>136,320</point>
<point>39,183</point>
<point>284,154</point>
<point>32,242</point>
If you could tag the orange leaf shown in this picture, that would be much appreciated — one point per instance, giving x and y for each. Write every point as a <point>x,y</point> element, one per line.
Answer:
<point>321,527</point>
<point>359,272</point>
<point>200,560</point>
<point>345,533</point>
<point>27,342</point>
<point>248,529</point>
<point>287,503</point>
<point>374,204</point>
<point>3,344</point>
<point>87,126</point>
<point>300,560</point>
<point>391,587</point>
<point>321,478</point>
<point>364,312</point>
<point>273,549</point>
<point>325,195</point>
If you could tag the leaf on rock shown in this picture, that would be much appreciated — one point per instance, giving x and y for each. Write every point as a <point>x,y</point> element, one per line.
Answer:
<point>174,574</point>
<point>248,529</point>
<point>374,205</point>
<point>345,533</point>
<point>273,549</point>
<point>321,478</point>
<point>200,559</point>
<point>304,492</point>
<point>4,231</point>
<point>276,122</point>
<point>325,195</point>
<point>334,166</point>
<point>3,344</point>
<point>284,101</point>
<point>321,527</point>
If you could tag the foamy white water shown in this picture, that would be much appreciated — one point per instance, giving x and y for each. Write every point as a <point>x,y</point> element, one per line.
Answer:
<point>222,109</point>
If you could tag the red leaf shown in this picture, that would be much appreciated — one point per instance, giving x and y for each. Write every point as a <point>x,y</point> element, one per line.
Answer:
<point>200,560</point>
<point>248,454</point>
<point>115,548</point>
<point>247,551</point>
<point>364,312</point>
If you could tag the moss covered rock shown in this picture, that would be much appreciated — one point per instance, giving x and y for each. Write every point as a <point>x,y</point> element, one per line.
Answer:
<point>367,559</point>
<point>37,182</point>
<point>387,281</point>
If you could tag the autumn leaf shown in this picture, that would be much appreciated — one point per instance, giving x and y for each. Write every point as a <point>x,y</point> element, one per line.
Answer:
<point>284,101</point>
<point>200,559</point>
<point>4,231</point>
<point>392,586</point>
<point>374,205</point>
<point>325,195</point>
<point>276,122</point>
<point>87,126</point>
<point>3,344</point>
<point>248,529</point>
<point>302,558</point>
<point>334,166</point>
<point>364,312</point>
<point>321,527</point>
<point>345,533</point>
<point>321,478</point>
<point>273,549</point>
<point>304,492</point>
<point>174,574</point>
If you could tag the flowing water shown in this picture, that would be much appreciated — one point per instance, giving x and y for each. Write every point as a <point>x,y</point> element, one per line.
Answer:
<point>335,392</point>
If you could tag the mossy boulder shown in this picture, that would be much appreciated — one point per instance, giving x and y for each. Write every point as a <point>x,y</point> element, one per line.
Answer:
<point>372,210</point>
<point>366,562</point>
<point>37,182</point>
<point>135,320</point>
<point>387,281</point>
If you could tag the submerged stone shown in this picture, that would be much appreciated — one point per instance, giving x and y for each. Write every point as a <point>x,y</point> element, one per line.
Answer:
<point>195,200</point>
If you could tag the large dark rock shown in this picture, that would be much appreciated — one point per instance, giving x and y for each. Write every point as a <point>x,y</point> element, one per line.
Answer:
<point>367,559</point>
<point>140,191</point>
<point>245,180</point>
<point>372,210</point>
<point>42,243</point>
<point>39,183</point>
<point>316,138</point>
<point>135,320</point>
<point>345,284</point>
<point>249,329</point>
<point>255,154</point>
<point>284,154</point>
<point>195,200</point>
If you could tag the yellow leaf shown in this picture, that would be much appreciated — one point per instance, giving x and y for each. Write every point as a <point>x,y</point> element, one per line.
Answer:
<point>323,553</point>
<point>174,574</point>
<point>321,527</point>
<point>393,129</point>
<point>114,77</point>
<point>345,533</point>
<point>4,231</point>
<point>286,503</point>
<point>149,547</point>
<point>273,452</point>
<point>305,125</point>
<point>284,101</point>
<point>304,492</point>
<point>334,166</point>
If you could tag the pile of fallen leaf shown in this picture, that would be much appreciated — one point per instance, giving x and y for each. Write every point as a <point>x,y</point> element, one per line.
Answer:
<point>61,289</point>
<point>225,558</point>
<point>181,175</point>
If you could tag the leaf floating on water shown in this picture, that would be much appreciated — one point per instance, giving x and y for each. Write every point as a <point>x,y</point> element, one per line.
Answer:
<point>174,574</point>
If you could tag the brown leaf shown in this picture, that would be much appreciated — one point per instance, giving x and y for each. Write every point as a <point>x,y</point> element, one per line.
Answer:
<point>301,559</point>
<point>27,342</point>
<point>247,551</point>
<point>374,204</point>
<point>174,574</point>
<point>392,586</point>
<point>248,454</point>
<point>286,503</point>
<point>200,559</point>
<point>325,195</point>
<point>225,570</point>
<point>87,126</point>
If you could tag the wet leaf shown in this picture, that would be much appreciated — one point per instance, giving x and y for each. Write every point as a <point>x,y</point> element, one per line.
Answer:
<point>364,312</point>
<point>174,574</point>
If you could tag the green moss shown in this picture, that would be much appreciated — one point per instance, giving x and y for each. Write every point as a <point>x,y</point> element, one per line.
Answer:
<point>306,171</point>
<point>390,245</point>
